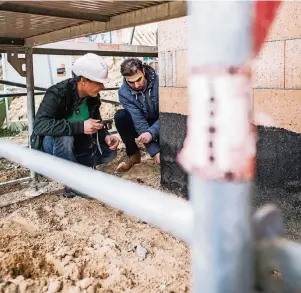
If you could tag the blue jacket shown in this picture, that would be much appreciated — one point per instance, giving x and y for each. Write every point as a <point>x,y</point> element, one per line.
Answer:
<point>144,108</point>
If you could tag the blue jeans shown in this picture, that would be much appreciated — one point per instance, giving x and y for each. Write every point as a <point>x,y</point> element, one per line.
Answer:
<point>63,147</point>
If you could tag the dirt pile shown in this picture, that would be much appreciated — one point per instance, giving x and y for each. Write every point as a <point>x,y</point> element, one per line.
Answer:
<point>52,244</point>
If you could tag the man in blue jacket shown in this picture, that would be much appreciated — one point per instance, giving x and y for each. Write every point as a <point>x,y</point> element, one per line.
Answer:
<point>138,121</point>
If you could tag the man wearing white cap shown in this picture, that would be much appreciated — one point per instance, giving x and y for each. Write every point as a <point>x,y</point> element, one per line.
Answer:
<point>68,122</point>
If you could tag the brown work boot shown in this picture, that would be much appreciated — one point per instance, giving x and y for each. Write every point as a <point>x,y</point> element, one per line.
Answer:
<point>129,163</point>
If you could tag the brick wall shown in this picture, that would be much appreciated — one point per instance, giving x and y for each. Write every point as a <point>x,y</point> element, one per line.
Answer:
<point>172,38</point>
<point>277,70</point>
<point>173,65</point>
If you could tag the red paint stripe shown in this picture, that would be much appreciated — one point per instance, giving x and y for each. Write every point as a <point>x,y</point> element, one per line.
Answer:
<point>265,12</point>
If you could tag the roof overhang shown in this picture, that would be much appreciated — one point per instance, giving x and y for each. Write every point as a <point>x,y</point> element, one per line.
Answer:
<point>34,23</point>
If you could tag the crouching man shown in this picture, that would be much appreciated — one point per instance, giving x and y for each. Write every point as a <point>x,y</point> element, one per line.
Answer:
<point>138,121</point>
<point>68,122</point>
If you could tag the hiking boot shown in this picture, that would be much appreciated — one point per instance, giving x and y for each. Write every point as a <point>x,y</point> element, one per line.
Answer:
<point>129,163</point>
<point>70,193</point>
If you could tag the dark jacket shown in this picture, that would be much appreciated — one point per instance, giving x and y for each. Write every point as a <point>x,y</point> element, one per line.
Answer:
<point>58,104</point>
<point>144,107</point>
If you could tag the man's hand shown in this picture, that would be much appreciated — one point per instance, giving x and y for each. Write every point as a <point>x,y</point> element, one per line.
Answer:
<point>145,137</point>
<point>112,142</point>
<point>91,126</point>
<point>157,158</point>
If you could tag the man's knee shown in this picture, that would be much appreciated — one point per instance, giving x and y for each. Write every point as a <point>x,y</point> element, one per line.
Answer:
<point>59,146</point>
<point>63,141</point>
<point>63,146</point>
<point>122,116</point>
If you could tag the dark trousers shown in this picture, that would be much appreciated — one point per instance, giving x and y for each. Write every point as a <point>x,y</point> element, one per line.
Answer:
<point>63,147</point>
<point>125,127</point>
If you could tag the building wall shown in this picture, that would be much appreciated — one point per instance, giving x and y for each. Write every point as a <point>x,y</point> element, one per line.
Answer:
<point>277,70</point>
<point>276,83</point>
<point>172,39</point>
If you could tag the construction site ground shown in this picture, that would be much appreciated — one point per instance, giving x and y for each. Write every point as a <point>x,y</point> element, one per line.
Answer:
<point>52,244</point>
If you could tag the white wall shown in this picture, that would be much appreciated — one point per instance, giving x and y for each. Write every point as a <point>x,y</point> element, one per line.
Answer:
<point>45,70</point>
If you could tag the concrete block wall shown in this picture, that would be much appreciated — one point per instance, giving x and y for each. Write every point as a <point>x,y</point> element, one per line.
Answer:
<point>277,70</point>
<point>277,92</point>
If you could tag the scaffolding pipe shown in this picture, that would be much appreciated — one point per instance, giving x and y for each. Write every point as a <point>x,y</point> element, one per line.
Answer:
<point>8,95</point>
<point>170,213</point>
<point>220,37</point>
<point>21,85</point>
<point>132,35</point>
<point>30,97</point>
<point>6,111</point>
<point>42,93</point>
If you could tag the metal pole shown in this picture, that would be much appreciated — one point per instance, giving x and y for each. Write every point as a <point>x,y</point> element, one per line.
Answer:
<point>21,85</point>
<point>50,69</point>
<point>170,213</point>
<point>132,35</point>
<point>30,97</point>
<point>220,37</point>
<point>4,95</point>
<point>6,112</point>
<point>4,87</point>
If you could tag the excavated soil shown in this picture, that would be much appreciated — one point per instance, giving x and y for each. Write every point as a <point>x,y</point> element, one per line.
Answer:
<point>52,244</point>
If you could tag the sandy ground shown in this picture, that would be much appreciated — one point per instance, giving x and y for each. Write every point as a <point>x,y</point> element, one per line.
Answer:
<point>52,244</point>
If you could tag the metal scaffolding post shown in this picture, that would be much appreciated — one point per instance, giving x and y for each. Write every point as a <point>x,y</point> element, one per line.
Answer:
<point>30,98</point>
<point>220,37</point>
<point>6,112</point>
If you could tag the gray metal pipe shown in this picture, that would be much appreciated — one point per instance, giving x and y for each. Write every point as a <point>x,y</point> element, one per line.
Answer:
<point>220,36</point>
<point>221,257</point>
<point>42,93</point>
<point>19,94</point>
<point>21,85</point>
<point>6,112</point>
<point>30,97</point>
<point>168,212</point>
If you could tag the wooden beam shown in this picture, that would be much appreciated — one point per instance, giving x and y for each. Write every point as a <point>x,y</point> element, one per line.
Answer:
<point>151,14</point>
<point>30,9</point>
<point>81,48</point>
<point>11,42</point>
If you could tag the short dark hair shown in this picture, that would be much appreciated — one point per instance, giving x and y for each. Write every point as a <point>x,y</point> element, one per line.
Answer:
<point>77,78</point>
<point>131,66</point>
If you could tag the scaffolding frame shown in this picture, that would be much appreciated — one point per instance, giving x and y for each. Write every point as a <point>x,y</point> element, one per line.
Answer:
<point>217,215</point>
